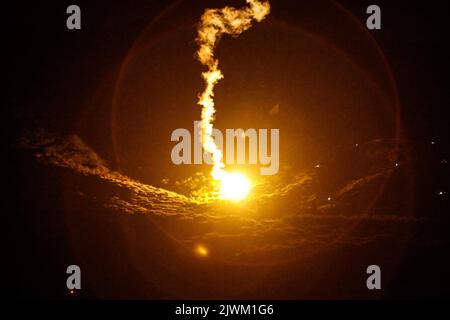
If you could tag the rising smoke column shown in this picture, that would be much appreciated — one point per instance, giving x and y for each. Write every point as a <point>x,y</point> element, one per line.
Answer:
<point>213,24</point>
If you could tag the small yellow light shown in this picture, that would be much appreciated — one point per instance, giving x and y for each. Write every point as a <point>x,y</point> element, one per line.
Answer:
<point>201,251</point>
<point>234,186</point>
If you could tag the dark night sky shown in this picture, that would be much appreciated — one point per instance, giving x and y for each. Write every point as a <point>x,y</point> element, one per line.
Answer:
<point>51,72</point>
<point>42,51</point>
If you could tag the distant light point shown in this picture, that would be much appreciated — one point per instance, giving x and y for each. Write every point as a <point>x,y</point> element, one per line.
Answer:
<point>201,251</point>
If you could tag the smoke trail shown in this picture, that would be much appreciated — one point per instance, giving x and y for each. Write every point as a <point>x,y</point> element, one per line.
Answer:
<point>213,24</point>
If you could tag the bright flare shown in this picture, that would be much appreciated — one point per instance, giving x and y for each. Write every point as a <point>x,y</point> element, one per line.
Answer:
<point>213,24</point>
<point>234,186</point>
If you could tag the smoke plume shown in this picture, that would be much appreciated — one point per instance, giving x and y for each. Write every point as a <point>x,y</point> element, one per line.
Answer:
<point>213,24</point>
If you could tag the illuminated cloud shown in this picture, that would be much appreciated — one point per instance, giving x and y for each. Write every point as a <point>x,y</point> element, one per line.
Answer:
<point>276,221</point>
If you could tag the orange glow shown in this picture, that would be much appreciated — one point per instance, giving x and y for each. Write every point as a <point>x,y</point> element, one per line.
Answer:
<point>201,251</point>
<point>234,187</point>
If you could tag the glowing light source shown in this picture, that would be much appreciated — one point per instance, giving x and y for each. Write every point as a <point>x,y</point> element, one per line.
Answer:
<point>234,186</point>
<point>201,251</point>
